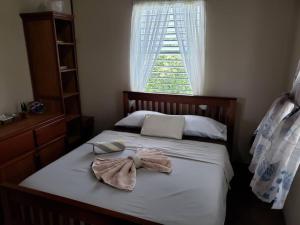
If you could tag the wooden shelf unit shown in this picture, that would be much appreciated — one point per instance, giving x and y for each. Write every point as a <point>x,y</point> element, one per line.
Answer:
<point>51,48</point>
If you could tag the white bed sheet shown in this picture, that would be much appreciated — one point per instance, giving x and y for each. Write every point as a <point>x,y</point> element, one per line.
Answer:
<point>193,194</point>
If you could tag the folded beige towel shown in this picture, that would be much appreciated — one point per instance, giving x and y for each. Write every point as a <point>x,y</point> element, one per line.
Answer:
<point>121,172</point>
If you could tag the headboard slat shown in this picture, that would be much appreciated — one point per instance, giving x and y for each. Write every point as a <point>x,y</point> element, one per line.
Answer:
<point>172,108</point>
<point>149,106</point>
<point>166,107</point>
<point>177,108</point>
<point>190,109</point>
<point>159,106</point>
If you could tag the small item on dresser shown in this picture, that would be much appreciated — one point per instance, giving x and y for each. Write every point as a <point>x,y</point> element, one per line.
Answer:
<point>5,118</point>
<point>24,110</point>
<point>24,107</point>
<point>121,172</point>
<point>36,107</point>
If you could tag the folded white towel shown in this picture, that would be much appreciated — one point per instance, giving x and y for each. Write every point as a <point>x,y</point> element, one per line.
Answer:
<point>107,147</point>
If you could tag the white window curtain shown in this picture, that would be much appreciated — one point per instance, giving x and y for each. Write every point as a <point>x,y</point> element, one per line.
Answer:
<point>148,28</point>
<point>189,18</point>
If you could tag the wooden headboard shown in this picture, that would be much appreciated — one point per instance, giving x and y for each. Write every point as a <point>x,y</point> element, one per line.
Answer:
<point>221,109</point>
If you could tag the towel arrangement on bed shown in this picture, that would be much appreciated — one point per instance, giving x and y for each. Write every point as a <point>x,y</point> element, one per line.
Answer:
<point>121,172</point>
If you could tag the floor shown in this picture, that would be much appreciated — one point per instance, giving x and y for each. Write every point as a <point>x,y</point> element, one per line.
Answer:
<point>244,208</point>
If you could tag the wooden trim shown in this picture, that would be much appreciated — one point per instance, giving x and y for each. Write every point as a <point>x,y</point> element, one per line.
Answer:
<point>20,144</point>
<point>38,123</point>
<point>16,159</point>
<point>19,168</point>
<point>221,109</point>
<point>12,196</point>
<point>47,15</point>
<point>51,142</point>
<point>58,70</point>
<point>75,60</point>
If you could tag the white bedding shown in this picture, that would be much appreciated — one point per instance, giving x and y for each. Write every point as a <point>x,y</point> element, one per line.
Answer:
<point>194,193</point>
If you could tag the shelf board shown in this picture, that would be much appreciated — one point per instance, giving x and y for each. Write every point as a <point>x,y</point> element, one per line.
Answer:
<point>68,70</point>
<point>72,94</point>
<point>65,43</point>
<point>71,117</point>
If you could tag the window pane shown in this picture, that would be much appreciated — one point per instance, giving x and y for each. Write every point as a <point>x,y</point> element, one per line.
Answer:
<point>169,74</point>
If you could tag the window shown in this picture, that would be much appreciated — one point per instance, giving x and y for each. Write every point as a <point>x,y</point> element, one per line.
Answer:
<point>167,46</point>
<point>169,73</point>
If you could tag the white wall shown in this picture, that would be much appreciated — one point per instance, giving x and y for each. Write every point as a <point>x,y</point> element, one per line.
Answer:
<point>15,83</point>
<point>248,49</point>
<point>248,44</point>
<point>103,36</point>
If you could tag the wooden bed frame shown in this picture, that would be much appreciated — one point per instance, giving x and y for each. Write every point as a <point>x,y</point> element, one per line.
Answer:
<point>24,206</point>
<point>221,109</point>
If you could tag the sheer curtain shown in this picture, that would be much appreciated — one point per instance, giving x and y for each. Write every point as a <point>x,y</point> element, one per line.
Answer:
<point>148,28</point>
<point>189,18</point>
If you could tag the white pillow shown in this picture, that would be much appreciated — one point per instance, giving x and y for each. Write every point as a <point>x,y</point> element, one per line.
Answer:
<point>198,126</point>
<point>136,118</point>
<point>201,126</point>
<point>170,126</point>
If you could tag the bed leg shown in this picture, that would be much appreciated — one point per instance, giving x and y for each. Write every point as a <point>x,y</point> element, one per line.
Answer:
<point>1,216</point>
<point>5,212</point>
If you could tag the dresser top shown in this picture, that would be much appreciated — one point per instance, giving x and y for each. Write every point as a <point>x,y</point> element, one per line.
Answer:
<point>30,122</point>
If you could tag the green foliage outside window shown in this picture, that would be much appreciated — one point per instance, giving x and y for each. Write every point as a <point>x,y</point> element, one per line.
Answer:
<point>169,76</point>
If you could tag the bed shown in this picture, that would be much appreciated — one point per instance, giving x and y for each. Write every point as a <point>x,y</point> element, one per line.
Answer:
<point>65,192</point>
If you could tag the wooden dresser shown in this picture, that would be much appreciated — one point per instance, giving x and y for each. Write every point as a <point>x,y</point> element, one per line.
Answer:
<point>29,144</point>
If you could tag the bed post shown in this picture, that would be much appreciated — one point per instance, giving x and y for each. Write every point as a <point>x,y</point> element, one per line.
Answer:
<point>231,120</point>
<point>125,103</point>
<point>5,210</point>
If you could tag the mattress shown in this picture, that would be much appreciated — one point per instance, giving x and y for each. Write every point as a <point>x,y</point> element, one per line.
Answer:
<point>194,193</point>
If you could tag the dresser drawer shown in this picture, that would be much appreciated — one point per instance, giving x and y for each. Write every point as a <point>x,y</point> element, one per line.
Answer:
<point>50,131</point>
<point>16,146</point>
<point>51,152</point>
<point>18,169</point>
